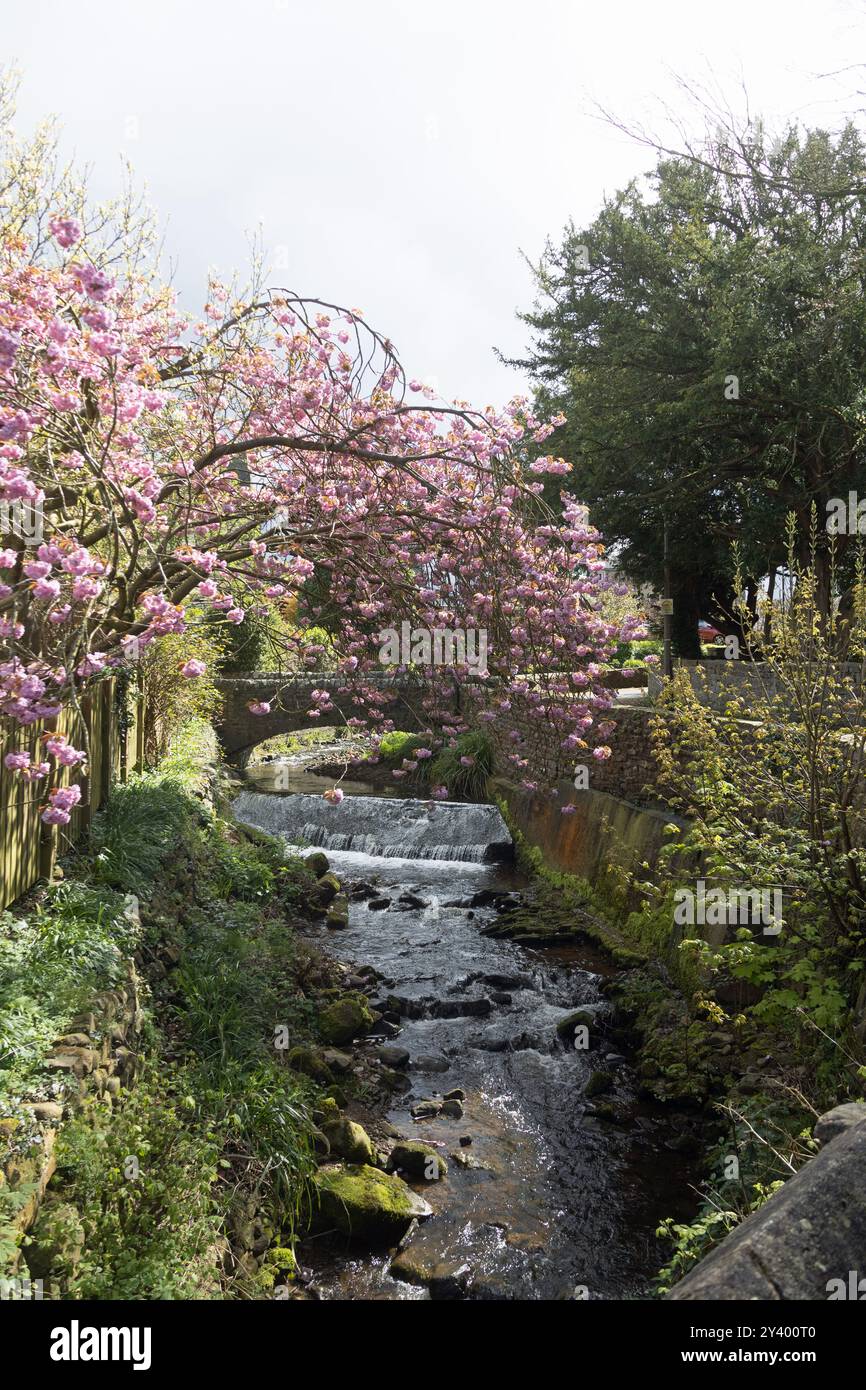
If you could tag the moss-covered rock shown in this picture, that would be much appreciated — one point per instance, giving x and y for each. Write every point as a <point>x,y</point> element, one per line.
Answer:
<point>327,888</point>
<point>346,1137</point>
<point>346,1018</point>
<point>366,1205</point>
<point>317,863</point>
<point>310,1063</point>
<point>418,1160</point>
<point>338,912</point>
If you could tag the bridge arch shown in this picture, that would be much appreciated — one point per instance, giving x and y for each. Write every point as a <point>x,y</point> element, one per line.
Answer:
<point>291,697</point>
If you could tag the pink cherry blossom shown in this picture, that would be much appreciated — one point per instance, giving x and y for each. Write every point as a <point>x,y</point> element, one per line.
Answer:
<point>192,668</point>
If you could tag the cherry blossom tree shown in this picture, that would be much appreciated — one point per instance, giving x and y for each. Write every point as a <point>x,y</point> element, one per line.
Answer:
<point>183,468</point>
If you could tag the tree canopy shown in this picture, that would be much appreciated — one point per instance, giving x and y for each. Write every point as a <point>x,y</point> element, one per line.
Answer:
<point>705,338</point>
<point>182,467</point>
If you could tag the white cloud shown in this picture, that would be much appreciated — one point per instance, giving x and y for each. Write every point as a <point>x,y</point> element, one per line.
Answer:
<point>403,156</point>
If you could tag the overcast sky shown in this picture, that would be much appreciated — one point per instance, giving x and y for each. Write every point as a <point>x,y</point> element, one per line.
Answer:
<point>399,156</point>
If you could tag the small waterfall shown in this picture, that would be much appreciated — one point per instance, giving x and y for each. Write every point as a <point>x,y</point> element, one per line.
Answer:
<point>384,827</point>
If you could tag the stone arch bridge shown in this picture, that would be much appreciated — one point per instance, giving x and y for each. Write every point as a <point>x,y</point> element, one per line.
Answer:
<point>291,698</point>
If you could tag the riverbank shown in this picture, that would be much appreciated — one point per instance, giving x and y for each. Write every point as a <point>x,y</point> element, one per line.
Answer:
<point>273,1126</point>
<point>179,1159</point>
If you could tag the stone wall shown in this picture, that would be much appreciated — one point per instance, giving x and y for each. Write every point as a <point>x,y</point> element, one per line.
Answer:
<point>98,1056</point>
<point>630,773</point>
<point>717,682</point>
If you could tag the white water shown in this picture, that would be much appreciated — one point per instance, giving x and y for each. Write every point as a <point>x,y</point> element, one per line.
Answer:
<point>382,827</point>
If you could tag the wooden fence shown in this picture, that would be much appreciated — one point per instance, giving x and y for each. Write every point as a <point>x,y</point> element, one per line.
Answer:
<point>27,847</point>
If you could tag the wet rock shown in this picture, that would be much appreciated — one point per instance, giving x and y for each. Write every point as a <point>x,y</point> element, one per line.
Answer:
<point>363,890</point>
<point>586,1017</point>
<point>345,1019</point>
<point>498,996</point>
<point>403,1007</point>
<point>428,1063</point>
<point>394,1080</point>
<point>460,1008</point>
<point>383,1029</point>
<point>317,863</point>
<point>393,1056</point>
<point>508,981</point>
<point>426,1109</point>
<point>495,1040</point>
<point>464,1159</point>
<point>465,1140</point>
<point>492,1288</point>
<point>326,889</point>
<point>599,1083</point>
<point>453,1108</point>
<point>449,1281</point>
<point>418,1160</point>
<point>366,1204</point>
<point>411,900</point>
<point>446,1279</point>
<point>338,913</point>
<point>456,1094</point>
<point>378,904</point>
<point>489,897</point>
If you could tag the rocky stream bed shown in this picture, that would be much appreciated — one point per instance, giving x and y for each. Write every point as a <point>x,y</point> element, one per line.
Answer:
<point>487,1076</point>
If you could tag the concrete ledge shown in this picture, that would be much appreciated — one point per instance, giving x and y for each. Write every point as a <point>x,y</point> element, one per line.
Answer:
<point>605,840</point>
<point>812,1232</point>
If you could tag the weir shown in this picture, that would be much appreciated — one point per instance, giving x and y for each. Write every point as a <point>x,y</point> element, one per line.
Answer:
<point>384,827</point>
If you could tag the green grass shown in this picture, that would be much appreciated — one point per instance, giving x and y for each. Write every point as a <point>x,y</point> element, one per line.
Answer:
<point>446,769</point>
<point>149,1225</point>
<point>52,961</point>
<point>219,1119</point>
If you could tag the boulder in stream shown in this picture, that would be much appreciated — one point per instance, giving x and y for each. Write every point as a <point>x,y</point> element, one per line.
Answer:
<point>317,863</point>
<point>418,1160</point>
<point>367,1205</point>
<point>460,1008</point>
<point>338,912</point>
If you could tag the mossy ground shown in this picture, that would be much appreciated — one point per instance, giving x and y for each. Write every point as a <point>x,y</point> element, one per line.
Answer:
<point>220,1125</point>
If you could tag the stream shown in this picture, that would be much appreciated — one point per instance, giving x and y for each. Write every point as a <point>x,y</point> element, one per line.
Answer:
<point>562,1203</point>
